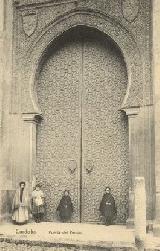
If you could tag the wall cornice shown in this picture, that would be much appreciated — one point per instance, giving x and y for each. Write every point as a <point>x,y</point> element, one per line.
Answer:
<point>40,3</point>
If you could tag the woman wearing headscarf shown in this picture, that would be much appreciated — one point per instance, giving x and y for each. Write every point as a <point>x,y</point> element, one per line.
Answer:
<point>21,205</point>
<point>65,207</point>
<point>107,207</point>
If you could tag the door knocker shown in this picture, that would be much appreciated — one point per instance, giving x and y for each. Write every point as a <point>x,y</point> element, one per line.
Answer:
<point>89,167</point>
<point>72,166</point>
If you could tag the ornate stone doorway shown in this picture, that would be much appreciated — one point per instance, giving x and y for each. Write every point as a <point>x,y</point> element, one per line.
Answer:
<point>82,141</point>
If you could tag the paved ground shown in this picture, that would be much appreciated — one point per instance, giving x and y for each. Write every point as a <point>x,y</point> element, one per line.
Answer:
<point>152,242</point>
<point>74,233</point>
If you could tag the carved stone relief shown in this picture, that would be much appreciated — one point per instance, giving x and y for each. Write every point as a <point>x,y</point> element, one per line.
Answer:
<point>120,35</point>
<point>29,22</point>
<point>130,9</point>
<point>140,27</point>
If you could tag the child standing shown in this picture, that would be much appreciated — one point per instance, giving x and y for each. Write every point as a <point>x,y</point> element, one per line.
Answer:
<point>65,207</point>
<point>38,204</point>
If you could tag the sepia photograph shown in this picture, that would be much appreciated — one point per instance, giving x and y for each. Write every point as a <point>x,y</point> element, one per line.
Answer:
<point>80,125</point>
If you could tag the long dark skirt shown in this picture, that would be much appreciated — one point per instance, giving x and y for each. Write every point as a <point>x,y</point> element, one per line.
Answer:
<point>65,209</point>
<point>38,212</point>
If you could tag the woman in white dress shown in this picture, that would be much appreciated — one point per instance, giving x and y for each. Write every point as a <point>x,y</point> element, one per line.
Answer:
<point>38,204</point>
<point>21,205</point>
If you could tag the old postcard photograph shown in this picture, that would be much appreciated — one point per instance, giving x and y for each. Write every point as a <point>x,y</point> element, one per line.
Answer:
<point>79,125</point>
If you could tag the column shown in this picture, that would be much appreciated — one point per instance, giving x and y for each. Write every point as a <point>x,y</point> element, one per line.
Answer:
<point>156,84</point>
<point>140,212</point>
<point>30,131</point>
<point>133,156</point>
<point>140,208</point>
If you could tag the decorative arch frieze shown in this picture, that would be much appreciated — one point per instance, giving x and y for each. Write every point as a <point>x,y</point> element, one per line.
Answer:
<point>93,19</point>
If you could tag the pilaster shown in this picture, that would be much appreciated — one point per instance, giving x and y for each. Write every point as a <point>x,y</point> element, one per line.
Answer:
<point>132,114</point>
<point>156,83</point>
<point>30,124</point>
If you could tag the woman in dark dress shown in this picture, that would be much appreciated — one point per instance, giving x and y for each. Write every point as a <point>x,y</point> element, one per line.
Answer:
<point>108,207</point>
<point>65,207</point>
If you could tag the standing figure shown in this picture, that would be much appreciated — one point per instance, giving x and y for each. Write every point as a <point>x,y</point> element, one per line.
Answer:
<point>38,204</point>
<point>107,207</point>
<point>21,205</point>
<point>65,207</point>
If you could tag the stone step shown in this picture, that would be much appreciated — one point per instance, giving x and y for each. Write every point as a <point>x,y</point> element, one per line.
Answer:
<point>69,234</point>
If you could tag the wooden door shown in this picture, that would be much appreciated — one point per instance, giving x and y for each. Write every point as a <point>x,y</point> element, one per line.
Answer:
<point>82,143</point>
<point>104,127</point>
